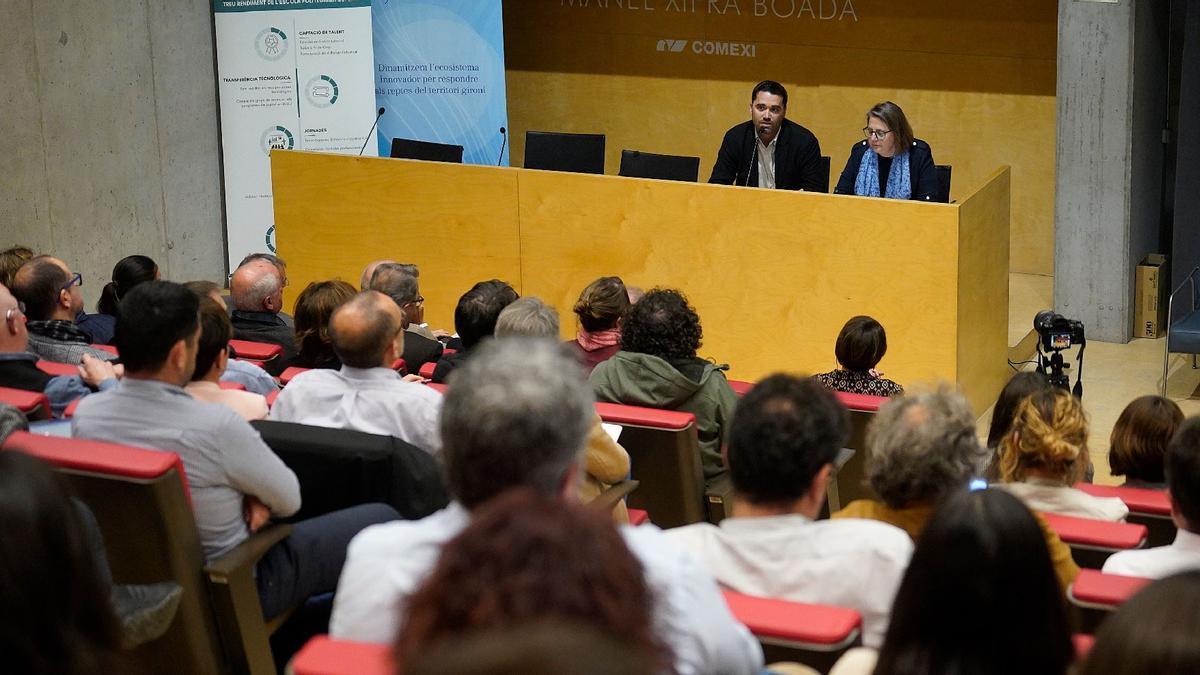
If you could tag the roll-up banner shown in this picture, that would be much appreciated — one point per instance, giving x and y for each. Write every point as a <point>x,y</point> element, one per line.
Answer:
<point>292,74</point>
<point>439,71</point>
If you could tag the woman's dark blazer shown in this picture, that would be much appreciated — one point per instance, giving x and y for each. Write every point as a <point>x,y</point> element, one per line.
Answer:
<point>920,163</point>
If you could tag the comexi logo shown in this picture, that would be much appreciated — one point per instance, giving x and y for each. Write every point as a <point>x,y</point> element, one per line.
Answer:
<point>710,47</point>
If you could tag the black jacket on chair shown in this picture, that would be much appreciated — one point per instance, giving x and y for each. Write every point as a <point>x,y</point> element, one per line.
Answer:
<point>922,172</point>
<point>797,158</point>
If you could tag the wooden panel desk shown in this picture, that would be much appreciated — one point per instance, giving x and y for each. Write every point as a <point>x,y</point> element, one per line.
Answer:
<point>773,274</point>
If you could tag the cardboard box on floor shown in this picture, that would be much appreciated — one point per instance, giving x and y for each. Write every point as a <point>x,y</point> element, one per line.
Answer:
<point>1150,291</point>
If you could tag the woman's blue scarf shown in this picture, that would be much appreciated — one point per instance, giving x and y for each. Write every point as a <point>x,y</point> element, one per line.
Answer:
<point>899,184</point>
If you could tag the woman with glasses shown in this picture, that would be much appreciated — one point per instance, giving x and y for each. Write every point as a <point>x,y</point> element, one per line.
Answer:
<point>890,163</point>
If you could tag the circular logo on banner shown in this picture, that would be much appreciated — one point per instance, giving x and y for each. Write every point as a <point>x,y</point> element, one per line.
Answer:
<point>322,91</point>
<point>276,138</point>
<point>270,237</point>
<point>271,43</point>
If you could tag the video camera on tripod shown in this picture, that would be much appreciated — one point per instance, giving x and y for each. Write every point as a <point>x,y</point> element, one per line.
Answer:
<point>1056,334</point>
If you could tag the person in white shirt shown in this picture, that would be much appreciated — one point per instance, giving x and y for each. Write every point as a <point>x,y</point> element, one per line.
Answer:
<point>212,355</point>
<point>517,416</point>
<point>1045,453</point>
<point>785,436</point>
<point>1183,484</point>
<point>366,394</point>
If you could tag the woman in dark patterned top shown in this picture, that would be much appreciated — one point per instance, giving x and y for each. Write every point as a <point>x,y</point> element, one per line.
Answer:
<point>860,346</point>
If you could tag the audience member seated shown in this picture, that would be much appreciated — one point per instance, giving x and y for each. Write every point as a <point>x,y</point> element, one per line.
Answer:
<point>394,281</point>
<point>127,273</point>
<point>212,354</point>
<point>11,260</point>
<point>1014,392</point>
<point>18,367</point>
<point>365,394</point>
<point>52,301</point>
<point>657,367</point>
<point>526,558</point>
<point>314,307</point>
<point>979,597</point>
<point>922,449</point>
<point>517,416</point>
<point>859,348</point>
<point>600,308</point>
<point>60,618</point>
<point>256,289</point>
<point>237,483</point>
<point>1154,632</point>
<point>253,378</point>
<point>1183,479</point>
<point>475,319</point>
<point>364,282</point>
<point>605,462</point>
<point>280,266</point>
<point>1139,440</point>
<point>1045,453</point>
<point>785,436</point>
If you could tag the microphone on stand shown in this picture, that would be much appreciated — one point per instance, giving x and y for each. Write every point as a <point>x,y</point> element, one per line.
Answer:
<point>372,131</point>
<point>503,141</point>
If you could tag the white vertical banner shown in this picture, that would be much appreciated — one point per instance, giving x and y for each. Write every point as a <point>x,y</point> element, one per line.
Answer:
<point>292,74</point>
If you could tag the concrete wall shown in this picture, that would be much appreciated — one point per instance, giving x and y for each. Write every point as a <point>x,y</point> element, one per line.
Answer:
<point>109,143</point>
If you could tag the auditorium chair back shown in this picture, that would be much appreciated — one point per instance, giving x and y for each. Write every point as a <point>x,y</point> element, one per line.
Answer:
<point>638,164</point>
<point>1094,595</point>
<point>944,173</point>
<point>1151,508</point>
<point>33,404</point>
<point>578,153</point>
<point>255,352</point>
<point>1093,541</point>
<point>323,655</point>
<point>816,635</point>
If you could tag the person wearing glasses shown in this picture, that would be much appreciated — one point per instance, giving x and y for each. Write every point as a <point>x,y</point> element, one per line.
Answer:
<point>769,150</point>
<point>52,300</point>
<point>398,283</point>
<point>890,163</point>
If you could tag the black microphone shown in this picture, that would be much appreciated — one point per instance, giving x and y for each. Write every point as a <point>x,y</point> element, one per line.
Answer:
<point>753,155</point>
<point>372,131</point>
<point>503,141</point>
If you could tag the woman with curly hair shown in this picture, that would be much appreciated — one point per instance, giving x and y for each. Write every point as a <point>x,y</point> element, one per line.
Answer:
<point>527,559</point>
<point>313,308</point>
<point>657,367</point>
<point>1045,453</point>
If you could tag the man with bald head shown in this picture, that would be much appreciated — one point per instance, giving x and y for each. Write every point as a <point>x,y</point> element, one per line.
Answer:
<point>52,299</point>
<point>365,394</point>
<point>256,289</point>
<point>364,283</point>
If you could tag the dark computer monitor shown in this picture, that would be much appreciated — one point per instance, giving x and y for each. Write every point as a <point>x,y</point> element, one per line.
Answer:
<point>637,164</point>
<point>403,148</point>
<point>580,153</point>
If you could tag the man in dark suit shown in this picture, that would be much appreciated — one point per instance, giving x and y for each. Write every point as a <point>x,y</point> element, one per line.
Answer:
<point>769,150</point>
<point>257,292</point>
<point>396,282</point>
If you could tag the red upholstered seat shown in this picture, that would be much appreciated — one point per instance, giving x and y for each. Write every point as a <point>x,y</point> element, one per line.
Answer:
<point>108,348</point>
<point>1093,588</point>
<point>235,386</point>
<point>289,373</point>
<point>33,404</point>
<point>400,366</point>
<point>447,351</point>
<point>741,387</point>
<point>1100,534</point>
<point>638,517</point>
<point>652,418</point>
<point>862,402</point>
<point>426,370</point>
<point>1083,644</point>
<point>55,368</point>
<point>1139,500</point>
<point>70,411</point>
<point>255,351</point>
<point>326,656</point>
<point>822,627</point>
<point>271,398</point>
<point>439,388</point>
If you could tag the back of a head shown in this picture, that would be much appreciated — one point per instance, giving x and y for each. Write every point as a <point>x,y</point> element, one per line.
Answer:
<point>922,447</point>
<point>516,414</point>
<point>662,324</point>
<point>861,344</point>
<point>275,261</point>
<point>1153,632</point>
<point>152,318</point>
<point>784,431</point>
<point>362,329</point>
<point>127,273</point>
<point>526,558</point>
<point>57,617</point>
<point>1183,472</point>
<point>37,283</point>
<point>11,260</point>
<point>313,309</point>
<point>202,288</point>
<point>1049,433</point>
<point>479,308</point>
<point>980,595</point>
<point>601,304</point>
<point>396,282</point>
<point>528,317</point>
<point>215,331</point>
<point>253,282</point>
<point>1138,444</point>
<point>1018,388</point>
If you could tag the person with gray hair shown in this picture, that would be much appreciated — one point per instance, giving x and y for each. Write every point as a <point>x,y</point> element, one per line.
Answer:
<point>528,316</point>
<point>921,449</point>
<point>256,290</point>
<point>516,415</point>
<point>398,282</point>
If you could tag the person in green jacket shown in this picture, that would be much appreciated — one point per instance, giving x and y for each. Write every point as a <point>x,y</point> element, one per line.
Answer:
<point>657,367</point>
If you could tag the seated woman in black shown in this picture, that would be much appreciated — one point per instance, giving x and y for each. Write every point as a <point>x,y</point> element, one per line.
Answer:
<point>890,163</point>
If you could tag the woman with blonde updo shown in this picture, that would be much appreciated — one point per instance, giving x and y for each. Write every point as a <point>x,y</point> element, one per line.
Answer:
<point>1045,453</point>
<point>599,308</point>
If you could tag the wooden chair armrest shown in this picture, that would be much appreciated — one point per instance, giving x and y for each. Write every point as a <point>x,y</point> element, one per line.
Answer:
<point>247,554</point>
<point>607,500</point>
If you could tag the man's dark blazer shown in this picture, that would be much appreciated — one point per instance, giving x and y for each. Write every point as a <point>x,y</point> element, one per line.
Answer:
<point>797,158</point>
<point>419,350</point>
<point>921,170</point>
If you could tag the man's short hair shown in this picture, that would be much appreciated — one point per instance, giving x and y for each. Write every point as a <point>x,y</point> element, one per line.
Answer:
<point>202,287</point>
<point>154,316</point>
<point>364,347</point>
<point>516,414</point>
<point>784,431</point>
<point>922,447</point>
<point>1183,471</point>
<point>37,283</point>
<point>273,259</point>
<point>771,87</point>
<point>528,316</point>
<point>477,310</point>
<point>215,331</point>
<point>395,281</point>
<point>251,298</point>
